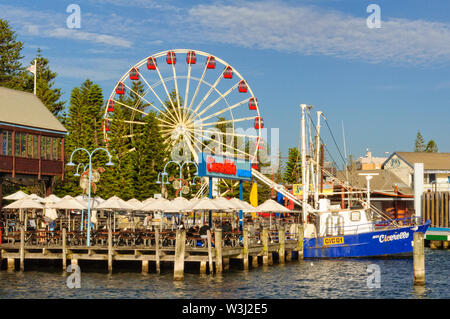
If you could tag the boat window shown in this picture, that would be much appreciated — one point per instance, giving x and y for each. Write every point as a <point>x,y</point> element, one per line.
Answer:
<point>355,216</point>
<point>341,225</point>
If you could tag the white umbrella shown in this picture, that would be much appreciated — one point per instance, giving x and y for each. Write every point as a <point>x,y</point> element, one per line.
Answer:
<point>115,203</point>
<point>148,200</point>
<point>271,206</point>
<point>204,204</point>
<point>25,203</point>
<point>160,205</point>
<point>135,202</point>
<point>68,202</point>
<point>95,201</point>
<point>180,203</point>
<point>246,207</point>
<point>51,199</point>
<point>16,196</point>
<point>35,197</point>
<point>226,204</point>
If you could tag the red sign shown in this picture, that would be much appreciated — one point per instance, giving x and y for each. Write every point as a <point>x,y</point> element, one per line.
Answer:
<point>227,167</point>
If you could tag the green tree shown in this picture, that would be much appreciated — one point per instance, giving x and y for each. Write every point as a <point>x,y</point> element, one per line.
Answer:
<point>431,147</point>
<point>292,173</point>
<point>10,56</point>
<point>419,145</point>
<point>45,81</point>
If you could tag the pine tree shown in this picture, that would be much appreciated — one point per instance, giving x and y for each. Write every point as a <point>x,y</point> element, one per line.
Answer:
<point>431,147</point>
<point>292,173</point>
<point>10,56</point>
<point>420,143</point>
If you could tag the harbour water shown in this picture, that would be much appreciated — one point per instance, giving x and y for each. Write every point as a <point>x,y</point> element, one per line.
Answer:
<point>345,278</point>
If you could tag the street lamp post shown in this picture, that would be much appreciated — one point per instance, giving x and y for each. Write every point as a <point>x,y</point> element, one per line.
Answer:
<point>88,240</point>
<point>85,167</point>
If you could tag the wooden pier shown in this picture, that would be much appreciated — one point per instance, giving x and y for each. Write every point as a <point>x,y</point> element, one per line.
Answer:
<point>213,253</point>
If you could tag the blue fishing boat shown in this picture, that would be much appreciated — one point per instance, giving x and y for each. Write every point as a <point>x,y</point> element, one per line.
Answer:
<point>355,233</point>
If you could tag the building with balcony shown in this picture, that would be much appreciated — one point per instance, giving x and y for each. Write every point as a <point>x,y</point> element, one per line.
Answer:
<point>32,139</point>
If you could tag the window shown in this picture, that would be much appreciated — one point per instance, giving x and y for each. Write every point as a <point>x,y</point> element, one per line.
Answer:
<point>431,178</point>
<point>6,137</point>
<point>355,216</point>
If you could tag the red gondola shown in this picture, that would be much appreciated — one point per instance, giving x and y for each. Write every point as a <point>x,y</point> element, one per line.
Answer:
<point>260,143</point>
<point>228,73</point>
<point>211,64</point>
<point>255,165</point>
<point>242,87</point>
<point>106,125</point>
<point>259,123</point>
<point>120,89</point>
<point>151,63</point>
<point>190,57</point>
<point>171,58</point>
<point>110,105</point>
<point>134,74</point>
<point>252,103</point>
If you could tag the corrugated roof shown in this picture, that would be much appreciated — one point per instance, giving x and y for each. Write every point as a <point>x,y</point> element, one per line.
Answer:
<point>431,161</point>
<point>385,181</point>
<point>23,108</point>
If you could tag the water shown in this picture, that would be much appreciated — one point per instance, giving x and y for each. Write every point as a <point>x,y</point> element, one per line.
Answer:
<point>306,279</point>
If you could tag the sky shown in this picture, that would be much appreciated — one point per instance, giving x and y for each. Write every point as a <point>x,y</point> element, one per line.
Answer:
<point>381,85</point>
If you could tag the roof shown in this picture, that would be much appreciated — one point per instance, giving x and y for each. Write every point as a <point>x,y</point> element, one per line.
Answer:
<point>431,161</point>
<point>384,182</point>
<point>26,109</point>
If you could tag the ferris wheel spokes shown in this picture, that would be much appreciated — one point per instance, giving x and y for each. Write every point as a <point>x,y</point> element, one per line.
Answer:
<point>223,110</point>
<point>198,86</point>
<point>167,92</point>
<point>186,93</point>
<point>209,93</point>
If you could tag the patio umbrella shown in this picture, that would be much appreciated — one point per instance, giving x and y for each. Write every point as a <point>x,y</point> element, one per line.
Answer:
<point>25,203</point>
<point>16,196</point>
<point>135,202</point>
<point>246,207</point>
<point>68,202</point>
<point>180,203</point>
<point>204,204</point>
<point>271,206</point>
<point>160,205</point>
<point>51,199</point>
<point>35,197</point>
<point>115,203</point>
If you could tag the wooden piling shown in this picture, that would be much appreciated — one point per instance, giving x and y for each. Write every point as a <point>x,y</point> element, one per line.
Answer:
<point>203,267</point>
<point>288,255</point>
<point>180,246</point>
<point>265,242</point>
<point>22,248</point>
<point>218,246</point>
<point>110,251</point>
<point>226,263</point>
<point>11,264</point>
<point>255,262</point>
<point>145,266</point>
<point>282,246</point>
<point>210,260</point>
<point>419,258</point>
<point>64,249</point>
<point>245,249</point>
<point>157,257</point>
<point>300,241</point>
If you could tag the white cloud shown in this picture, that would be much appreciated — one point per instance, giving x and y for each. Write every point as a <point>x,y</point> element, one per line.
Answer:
<point>88,36</point>
<point>313,31</point>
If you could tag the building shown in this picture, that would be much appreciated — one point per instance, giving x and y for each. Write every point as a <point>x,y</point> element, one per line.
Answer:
<point>369,162</point>
<point>388,192</point>
<point>436,168</point>
<point>32,139</point>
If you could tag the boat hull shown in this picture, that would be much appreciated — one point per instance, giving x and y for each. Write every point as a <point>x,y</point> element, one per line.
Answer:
<point>391,242</point>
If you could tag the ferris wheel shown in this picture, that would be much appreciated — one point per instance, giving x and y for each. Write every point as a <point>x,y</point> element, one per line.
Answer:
<point>192,98</point>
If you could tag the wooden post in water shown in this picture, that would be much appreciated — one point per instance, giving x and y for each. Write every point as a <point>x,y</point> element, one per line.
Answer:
<point>245,249</point>
<point>265,242</point>
<point>300,241</point>
<point>11,264</point>
<point>218,246</point>
<point>210,261</point>
<point>145,266</point>
<point>281,244</point>
<point>158,263</point>
<point>419,259</point>
<point>22,248</point>
<point>64,249</point>
<point>110,251</point>
<point>203,267</point>
<point>180,246</point>
<point>255,262</point>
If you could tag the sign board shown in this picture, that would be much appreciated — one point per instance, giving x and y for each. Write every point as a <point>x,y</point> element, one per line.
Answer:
<point>218,166</point>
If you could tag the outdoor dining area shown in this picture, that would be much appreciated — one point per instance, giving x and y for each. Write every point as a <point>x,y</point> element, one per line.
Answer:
<point>135,223</point>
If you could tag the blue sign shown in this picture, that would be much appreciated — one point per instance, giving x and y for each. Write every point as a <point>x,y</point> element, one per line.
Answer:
<point>224,167</point>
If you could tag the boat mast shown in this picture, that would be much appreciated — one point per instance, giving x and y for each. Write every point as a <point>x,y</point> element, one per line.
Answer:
<point>304,193</point>
<point>316,189</point>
